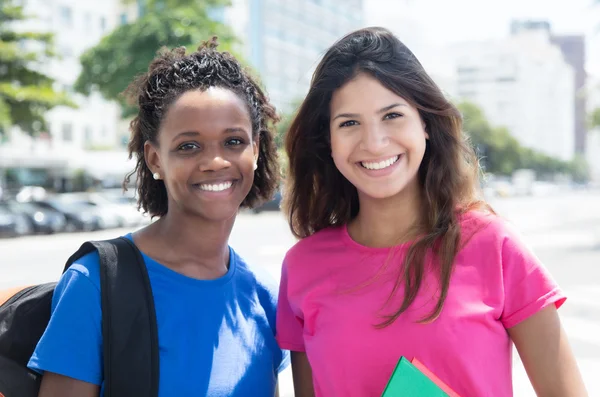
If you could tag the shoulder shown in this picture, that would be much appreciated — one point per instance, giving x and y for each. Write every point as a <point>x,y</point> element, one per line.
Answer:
<point>488,235</point>
<point>254,277</point>
<point>86,269</point>
<point>323,243</point>
<point>486,227</point>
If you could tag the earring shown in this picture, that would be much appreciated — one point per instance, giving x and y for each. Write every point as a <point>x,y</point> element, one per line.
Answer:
<point>156,176</point>
<point>255,166</point>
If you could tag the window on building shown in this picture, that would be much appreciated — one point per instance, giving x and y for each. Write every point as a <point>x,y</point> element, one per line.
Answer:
<point>466,70</point>
<point>87,133</point>
<point>505,79</point>
<point>103,23</point>
<point>66,16</point>
<point>123,19</point>
<point>67,132</point>
<point>87,22</point>
<point>66,51</point>
<point>467,94</point>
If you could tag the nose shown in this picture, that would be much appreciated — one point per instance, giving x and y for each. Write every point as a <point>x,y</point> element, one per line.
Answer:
<point>213,160</point>
<point>374,138</point>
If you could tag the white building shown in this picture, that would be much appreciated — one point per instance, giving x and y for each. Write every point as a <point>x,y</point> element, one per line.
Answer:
<point>77,26</point>
<point>524,84</point>
<point>282,39</point>
<point>285,39</point>
<point>593,138</point>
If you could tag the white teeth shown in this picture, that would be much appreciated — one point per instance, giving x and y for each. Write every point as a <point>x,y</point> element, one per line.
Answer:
<point>380,165</point>
<point>217,187</point>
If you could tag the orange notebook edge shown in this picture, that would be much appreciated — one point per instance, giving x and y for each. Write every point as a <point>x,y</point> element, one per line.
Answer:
<point>421,367</point>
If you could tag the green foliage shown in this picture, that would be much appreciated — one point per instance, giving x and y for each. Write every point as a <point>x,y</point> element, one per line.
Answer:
<point>502,154</point>
<point>126,52</point>
<point>26,93</point>
<point>595,118</point>
<point>286,121</point>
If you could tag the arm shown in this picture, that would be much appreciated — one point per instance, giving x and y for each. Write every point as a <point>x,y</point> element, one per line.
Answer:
<point>72,342</point>
<point>545,352</point>
<point>54,385</point>
<point>302,374</point>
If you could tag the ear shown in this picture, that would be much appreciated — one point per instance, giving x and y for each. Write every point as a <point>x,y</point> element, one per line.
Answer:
<point>256,147</point>
<point>425,129</point>
<point>152,157</point>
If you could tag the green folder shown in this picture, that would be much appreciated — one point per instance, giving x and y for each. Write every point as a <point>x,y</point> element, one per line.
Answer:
<point>408,381</point>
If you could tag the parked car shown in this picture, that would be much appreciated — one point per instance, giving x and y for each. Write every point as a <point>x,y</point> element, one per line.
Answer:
<point>127,199</point>
<point>13,225</point>
<point>124,210</point>
<point>78,216</point>
<point>42,220</point>
<point>107,217</point>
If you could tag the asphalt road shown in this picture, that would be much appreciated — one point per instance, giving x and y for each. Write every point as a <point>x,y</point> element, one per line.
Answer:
<point>563,230</point>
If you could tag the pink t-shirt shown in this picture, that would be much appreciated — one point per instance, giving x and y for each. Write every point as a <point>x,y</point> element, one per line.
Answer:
<point>328,309</point>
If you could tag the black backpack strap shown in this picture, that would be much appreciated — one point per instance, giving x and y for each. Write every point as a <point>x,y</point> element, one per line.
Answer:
<point>129,329</point>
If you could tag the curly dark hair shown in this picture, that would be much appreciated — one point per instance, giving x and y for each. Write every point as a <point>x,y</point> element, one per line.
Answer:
<point>173,73</point>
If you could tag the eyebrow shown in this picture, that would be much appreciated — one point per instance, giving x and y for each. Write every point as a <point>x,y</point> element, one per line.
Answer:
<point>231,130</point>
<point>382,110</point>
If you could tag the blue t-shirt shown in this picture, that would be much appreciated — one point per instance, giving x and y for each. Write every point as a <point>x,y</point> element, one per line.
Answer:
<point>216,337</point>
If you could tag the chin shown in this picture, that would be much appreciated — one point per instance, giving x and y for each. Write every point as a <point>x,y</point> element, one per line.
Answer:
<point>214,214</point>
<point>382,192</point>
<point>379,195</point>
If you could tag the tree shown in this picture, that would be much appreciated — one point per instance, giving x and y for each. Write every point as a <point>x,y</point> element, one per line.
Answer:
<point>502,154</point>
<point>126,52</point>
<point>580,169</point>
<point>26,93</point>
<point>285,122</point>
<point>595,118</point>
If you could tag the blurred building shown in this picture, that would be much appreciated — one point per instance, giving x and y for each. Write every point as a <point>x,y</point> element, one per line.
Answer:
<point>573,50</point>
<point>593,136</point>
<point>77,26</point>
<point>284,39</point>
<point>523,83</point>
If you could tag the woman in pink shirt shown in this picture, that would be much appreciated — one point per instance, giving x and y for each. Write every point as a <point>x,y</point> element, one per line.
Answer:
<point>399,255</point>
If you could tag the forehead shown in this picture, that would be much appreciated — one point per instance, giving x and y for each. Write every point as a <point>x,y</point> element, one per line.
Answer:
<point>212,106</point>
<point>363,93</point>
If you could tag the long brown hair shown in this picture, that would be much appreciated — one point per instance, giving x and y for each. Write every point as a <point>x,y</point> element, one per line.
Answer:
<point>318,196</point>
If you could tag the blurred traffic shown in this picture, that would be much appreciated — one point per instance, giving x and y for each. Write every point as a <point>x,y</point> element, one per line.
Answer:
<point>34,210</point>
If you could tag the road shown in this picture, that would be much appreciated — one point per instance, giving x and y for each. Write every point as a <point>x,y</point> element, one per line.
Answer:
<point>563,230</point>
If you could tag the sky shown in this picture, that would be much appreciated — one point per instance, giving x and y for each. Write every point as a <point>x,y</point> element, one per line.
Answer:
<point>424,25</point>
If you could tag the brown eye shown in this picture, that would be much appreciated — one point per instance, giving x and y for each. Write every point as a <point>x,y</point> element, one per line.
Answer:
<point>349,123</point>
<point>186,147</point>
<point>392,116</point>
<point>234,142</point>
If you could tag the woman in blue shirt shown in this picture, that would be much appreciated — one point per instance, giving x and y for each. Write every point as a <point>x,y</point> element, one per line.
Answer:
<point>204,148</point>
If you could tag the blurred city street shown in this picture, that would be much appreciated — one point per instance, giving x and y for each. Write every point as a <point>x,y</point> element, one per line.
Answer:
<point>563,229</point>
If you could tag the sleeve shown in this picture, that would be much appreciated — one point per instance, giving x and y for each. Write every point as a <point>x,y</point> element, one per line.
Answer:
<point>72,342</point>
<point>528,286</point>
<point>290,324</point>
<point>285,361</point>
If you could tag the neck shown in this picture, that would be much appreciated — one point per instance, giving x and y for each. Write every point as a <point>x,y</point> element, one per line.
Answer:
<point>185,238</point>
<point>391,221</point>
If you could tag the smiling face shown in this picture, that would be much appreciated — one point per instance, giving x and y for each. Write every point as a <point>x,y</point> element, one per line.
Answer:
<point>205,153</point>
<point>378,139</point>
